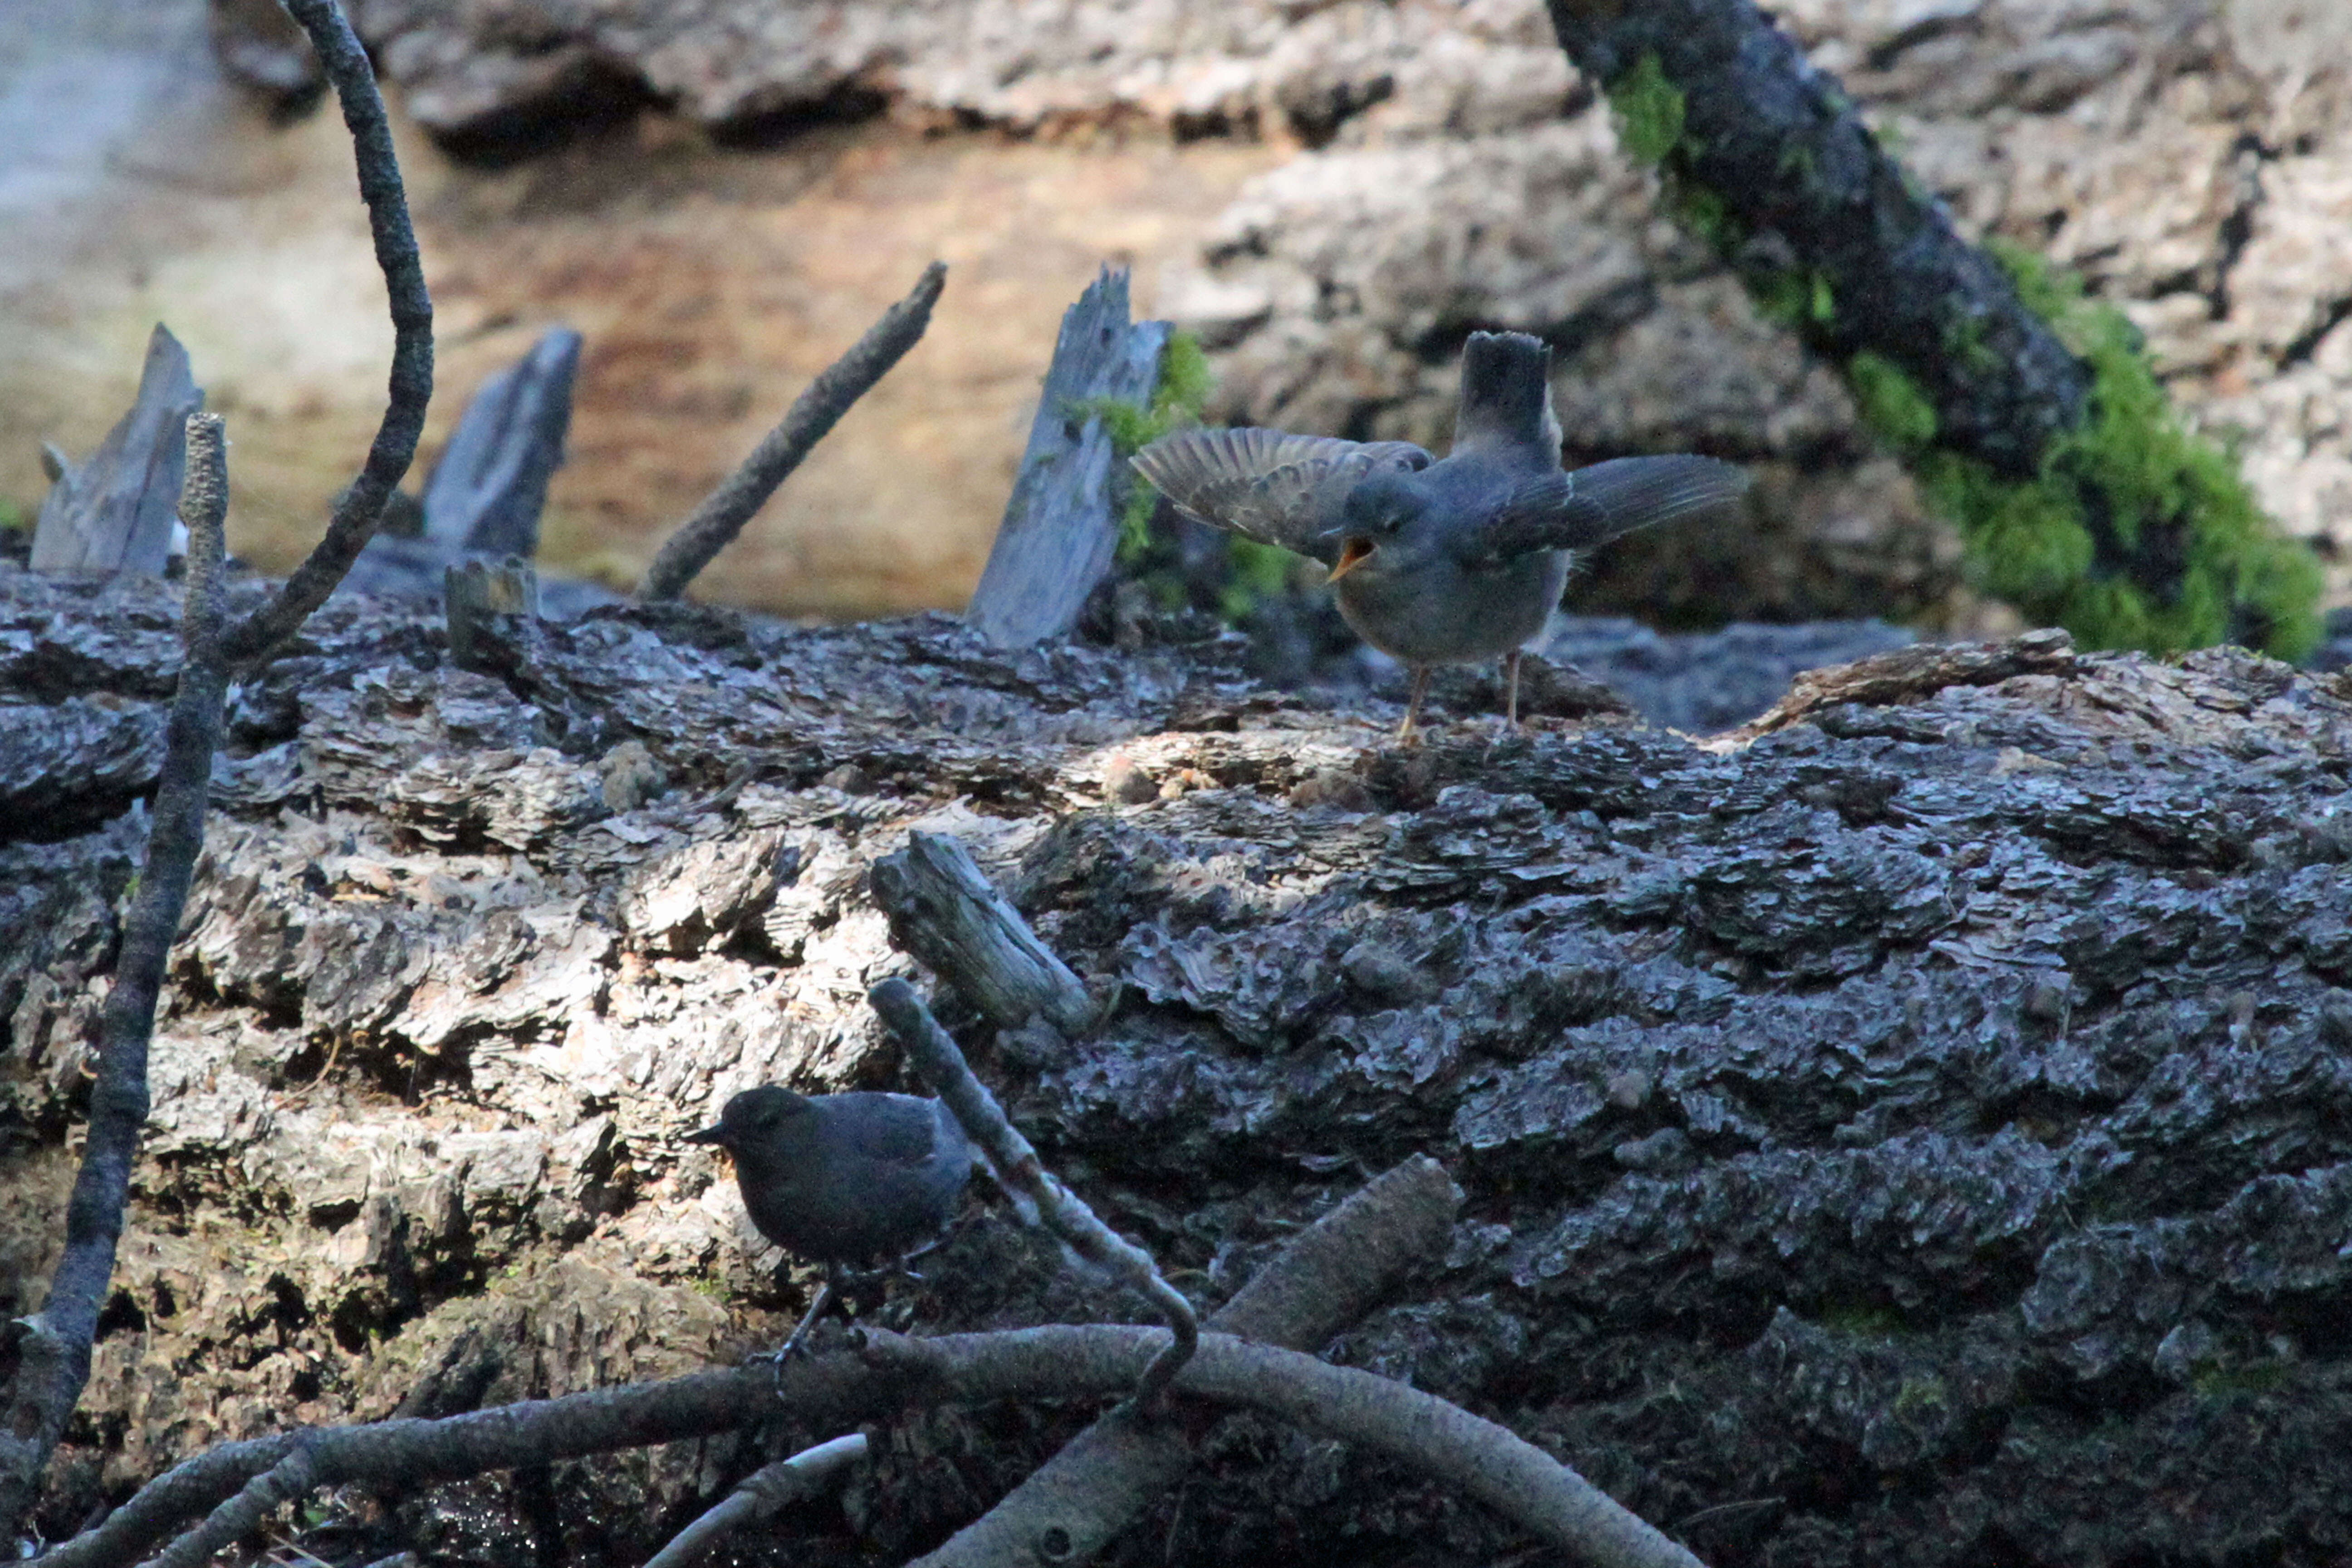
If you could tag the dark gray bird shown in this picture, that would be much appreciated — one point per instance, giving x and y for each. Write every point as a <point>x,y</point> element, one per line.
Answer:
<point>1439,562</point>
<point>843,1179</point>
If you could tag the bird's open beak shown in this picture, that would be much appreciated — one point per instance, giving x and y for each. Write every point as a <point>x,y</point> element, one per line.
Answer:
<point>709,1135</point>
<point>1353,552</point>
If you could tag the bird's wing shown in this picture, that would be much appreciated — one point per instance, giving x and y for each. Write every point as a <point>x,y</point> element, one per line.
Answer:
<point>899,1127</point>
<point>1274,488</point>
<point>1589,507</point>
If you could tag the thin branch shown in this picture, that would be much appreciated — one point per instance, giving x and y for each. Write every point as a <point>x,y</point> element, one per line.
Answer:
<point>1016,1163</point>
<point>1443,1441</point>
<point>285,1481</point>
<point>1517,1479</point>
<point>1325,1278</point>
<point>54,1346</point>
<point>945,912</point>
<point>806,1474</point>
<point>411,388</point>
<point>828,1390</point>
<point>1322,1281</point>
<point>722,514</point>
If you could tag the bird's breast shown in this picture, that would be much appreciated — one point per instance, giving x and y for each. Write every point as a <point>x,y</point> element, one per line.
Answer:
<point>1436,611</point>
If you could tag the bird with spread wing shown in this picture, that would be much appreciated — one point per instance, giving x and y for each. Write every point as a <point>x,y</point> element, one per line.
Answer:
<point>1439,562</point>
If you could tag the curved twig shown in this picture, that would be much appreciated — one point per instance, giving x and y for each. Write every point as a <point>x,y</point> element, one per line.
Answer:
<point>1488,1462</point>
<point>54,1347</point>
<point>781,1484</point>
<point>1441,1440</point>
<point>1016,1163</point>
<point>411,387</point>
<point>1323,1279</point>
<point>722,514</point>
<point>285,1481</point>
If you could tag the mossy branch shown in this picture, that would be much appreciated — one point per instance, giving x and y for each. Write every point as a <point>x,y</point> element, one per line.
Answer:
<point>2032,418</point>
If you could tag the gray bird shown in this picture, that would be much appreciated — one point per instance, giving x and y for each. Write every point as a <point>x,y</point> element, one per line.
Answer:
<point>843,1179</point>
<point>1439,562</point>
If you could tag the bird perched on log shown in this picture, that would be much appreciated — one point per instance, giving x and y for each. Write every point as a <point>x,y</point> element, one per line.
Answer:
<point>1439,562</point>
<point>843,1179</point>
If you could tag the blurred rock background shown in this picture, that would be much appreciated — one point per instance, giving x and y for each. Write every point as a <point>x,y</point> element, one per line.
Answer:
<point>721,194</point>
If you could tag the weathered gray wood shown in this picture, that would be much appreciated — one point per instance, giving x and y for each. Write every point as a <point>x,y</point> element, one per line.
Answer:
<point>114,512</point>
<point>1060,526</point>
<point>946,912</point>
<point>476,589</point>
<point>489,487</point>
<point>490,484</point>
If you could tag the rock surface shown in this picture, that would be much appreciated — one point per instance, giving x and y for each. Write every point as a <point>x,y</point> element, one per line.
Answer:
<point>1913,1130</point>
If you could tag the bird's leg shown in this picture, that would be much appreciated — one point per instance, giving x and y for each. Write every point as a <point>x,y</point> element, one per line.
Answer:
<point>824,1298</point>
<point>1511,688</point>
<point>1409,733</point>
<point>906,1264</point>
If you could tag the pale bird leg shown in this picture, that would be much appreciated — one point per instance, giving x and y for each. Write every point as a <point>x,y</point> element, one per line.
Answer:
<point>1511,687</point>
<point>1408,733</point>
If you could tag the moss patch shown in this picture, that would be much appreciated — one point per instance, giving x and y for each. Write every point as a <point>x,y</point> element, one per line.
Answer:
<point>2132,534</point>
<point>1650,111</point>
<point>2180,555</point>
<point>1177,398</point>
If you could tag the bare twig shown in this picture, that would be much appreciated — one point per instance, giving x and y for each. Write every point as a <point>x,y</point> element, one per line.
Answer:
<point>1327,1276</point>
<point>781,1484</point>
<point>1016,1163</point>
<point>946,913</point>
<point>1320,1281</point>
<point>54,1346</point>
<point>285,1481</point>
<point>830,1390</point>
<point>1518,1481</point>
<point>361,506</point>
<point>722,514</point>
<point>1491,1463</point>
<point>53,1362</point>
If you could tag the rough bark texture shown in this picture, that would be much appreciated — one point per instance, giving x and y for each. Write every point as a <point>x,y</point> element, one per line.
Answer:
<point>1924,1127</point>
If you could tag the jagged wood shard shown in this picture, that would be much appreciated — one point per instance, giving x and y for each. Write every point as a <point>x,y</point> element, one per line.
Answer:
<point>1060,528</point>
<point>491,485</point>
<point>115,512</point>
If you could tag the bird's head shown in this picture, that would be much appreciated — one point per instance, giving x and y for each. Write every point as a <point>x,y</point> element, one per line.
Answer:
<point>1375,511</point>
<point>752,1117</point>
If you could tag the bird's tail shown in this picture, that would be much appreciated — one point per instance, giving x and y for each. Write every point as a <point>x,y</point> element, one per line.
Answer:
<point>1506,395</point>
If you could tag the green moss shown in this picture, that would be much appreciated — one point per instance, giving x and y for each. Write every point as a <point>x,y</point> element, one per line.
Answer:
<point>1891,402</point>
<point>1257,572</point>
<point>1650,111</point>
<point>1706,215</point>
<point>2216,1380</point>
<point>1862,1319</point>
<point>15,518</point>
<point>1178,396</point>
<point>1794,299</point>
<point>2182,556</point>
<point>1922,1396</point>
